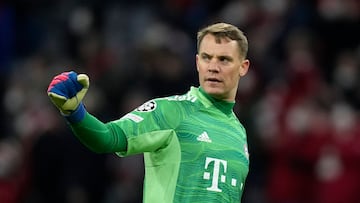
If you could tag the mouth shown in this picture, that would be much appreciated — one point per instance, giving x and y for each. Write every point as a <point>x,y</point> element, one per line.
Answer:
<point>212,80</point>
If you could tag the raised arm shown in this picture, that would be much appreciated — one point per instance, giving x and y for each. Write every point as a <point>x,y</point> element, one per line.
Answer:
<point>66,92</point>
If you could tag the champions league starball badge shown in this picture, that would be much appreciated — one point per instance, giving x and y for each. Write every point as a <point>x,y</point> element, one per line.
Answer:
<point>147,107</point>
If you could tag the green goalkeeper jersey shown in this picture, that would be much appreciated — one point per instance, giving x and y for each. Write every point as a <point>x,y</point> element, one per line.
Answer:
<point>195,148</point>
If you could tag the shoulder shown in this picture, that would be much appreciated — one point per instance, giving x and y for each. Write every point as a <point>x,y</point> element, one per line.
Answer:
<point>184,100</point>
<point>173,101</point>
<point>170,106</point>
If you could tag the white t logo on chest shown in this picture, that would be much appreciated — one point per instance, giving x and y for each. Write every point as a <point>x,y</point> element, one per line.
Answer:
<point>216,174</point>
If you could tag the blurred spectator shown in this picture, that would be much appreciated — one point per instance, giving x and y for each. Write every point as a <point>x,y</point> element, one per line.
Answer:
<point>337,169</point>
<point>14,171</point>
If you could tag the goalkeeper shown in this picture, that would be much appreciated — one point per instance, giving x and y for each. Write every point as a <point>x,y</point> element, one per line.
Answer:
<point>195,148</point>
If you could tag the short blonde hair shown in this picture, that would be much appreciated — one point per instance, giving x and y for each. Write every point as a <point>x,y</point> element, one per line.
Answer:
<point>225,30</point>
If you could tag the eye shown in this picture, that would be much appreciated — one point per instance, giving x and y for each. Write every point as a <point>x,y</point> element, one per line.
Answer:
<point>205,57</point>
<point>224,59</point>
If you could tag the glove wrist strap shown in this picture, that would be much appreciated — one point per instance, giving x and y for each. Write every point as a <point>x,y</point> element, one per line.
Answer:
<point>77,115</point>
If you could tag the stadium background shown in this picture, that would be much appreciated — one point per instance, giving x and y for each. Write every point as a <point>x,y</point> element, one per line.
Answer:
<point>300,101</point>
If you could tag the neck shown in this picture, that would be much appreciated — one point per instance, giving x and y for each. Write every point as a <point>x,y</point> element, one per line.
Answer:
<point>218,97</point>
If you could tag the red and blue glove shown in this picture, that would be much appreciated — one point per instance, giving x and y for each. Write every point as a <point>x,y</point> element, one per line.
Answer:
<point>66,91</point>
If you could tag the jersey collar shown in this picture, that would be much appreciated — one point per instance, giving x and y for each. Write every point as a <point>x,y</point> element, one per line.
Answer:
<point>224,106</point>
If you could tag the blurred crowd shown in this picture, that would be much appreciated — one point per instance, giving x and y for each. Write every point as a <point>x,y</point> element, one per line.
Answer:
<point>299,102</point>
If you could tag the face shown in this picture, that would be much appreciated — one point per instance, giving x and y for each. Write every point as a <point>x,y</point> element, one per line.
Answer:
<point>220,67</point>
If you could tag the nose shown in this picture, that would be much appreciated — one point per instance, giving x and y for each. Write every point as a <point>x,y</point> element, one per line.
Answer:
<point>213,66</point>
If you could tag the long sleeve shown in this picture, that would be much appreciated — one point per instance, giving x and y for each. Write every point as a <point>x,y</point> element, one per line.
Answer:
<point>98,136</point>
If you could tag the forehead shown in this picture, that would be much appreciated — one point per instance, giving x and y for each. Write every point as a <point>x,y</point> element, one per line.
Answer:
<point>219,46</point>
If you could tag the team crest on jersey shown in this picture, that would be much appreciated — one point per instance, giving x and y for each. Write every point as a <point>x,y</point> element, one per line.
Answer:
<point>147,107</point>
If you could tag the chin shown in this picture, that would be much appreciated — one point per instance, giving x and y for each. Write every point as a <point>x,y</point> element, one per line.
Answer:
<point>215,92</point>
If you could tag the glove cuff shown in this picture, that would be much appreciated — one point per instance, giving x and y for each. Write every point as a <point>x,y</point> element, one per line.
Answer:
<point>77,115</point>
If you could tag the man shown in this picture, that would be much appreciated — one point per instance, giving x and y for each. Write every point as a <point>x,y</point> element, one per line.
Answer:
<point>195,149</point>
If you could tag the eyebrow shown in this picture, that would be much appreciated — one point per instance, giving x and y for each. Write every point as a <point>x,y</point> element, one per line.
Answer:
<point>225,57</point>
<point>219,57</point>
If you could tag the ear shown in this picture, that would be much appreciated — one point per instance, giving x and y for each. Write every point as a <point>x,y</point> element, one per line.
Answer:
<point>244,67</point>
<point>197,62</point>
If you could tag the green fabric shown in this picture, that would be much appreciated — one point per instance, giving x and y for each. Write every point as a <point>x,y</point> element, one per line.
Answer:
<point>195,149</point>
<point>99,137</point>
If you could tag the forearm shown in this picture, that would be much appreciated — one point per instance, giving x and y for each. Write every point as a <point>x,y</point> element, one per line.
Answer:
<point>98,136</point>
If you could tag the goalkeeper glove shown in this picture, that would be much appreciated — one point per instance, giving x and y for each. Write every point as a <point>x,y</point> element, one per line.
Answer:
<point>66,92</point>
